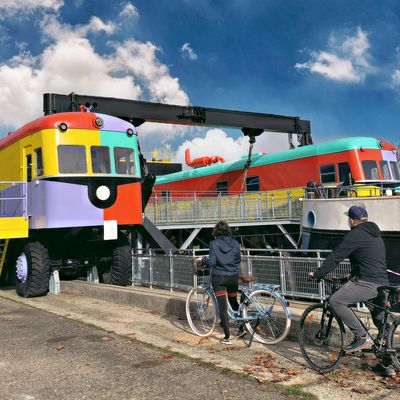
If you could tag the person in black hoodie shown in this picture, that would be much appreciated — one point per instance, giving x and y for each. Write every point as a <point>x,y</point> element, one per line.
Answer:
<point>365,248</point>
<point>224,258</point>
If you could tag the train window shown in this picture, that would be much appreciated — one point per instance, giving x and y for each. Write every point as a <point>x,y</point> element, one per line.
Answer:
<point>370,169</point>
<point>395,170</point>
<point>100,159</point>
<point>222,188</point>
<point>253,184</point>
<point>39,161</point>
<point>385,169</point>
<point>344,172</point>
<point>124,160</point>
<point>71,159</point>
<point>328,174</point>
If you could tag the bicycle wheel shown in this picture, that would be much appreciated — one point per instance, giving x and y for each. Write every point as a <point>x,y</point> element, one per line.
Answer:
<point>273,317</point>
<point>394,342</point>
<point>201,311</point>
<point>321,338</point>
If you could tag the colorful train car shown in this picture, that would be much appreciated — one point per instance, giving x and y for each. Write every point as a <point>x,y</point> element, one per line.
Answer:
<point>359,159</point>
<point>82,175</point>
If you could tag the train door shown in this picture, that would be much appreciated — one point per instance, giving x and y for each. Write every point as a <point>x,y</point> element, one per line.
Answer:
<point>28,163</point>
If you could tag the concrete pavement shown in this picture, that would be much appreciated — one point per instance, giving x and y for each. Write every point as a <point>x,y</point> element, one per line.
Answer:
<point>157,318</point>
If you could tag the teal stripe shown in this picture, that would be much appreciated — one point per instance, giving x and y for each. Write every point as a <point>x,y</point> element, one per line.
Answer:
<point>258,159</point>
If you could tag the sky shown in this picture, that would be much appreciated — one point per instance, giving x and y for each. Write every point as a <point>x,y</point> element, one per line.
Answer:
<point>335,63</point>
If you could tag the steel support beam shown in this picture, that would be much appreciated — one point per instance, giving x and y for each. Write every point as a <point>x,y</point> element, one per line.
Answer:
<point>190,239</point>
<point>287,235</point>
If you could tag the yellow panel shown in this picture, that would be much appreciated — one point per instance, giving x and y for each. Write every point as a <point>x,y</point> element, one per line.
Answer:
<point>13,227</point>
<point>51,138</point>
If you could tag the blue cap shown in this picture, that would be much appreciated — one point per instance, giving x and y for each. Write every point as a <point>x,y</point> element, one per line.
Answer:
<point>357,212</point>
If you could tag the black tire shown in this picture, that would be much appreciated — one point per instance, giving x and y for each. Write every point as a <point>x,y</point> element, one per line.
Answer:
<point>121,269</point>
<point>32,268</point>
<point>321,338</point>
<point>274,323</point>
<point>394,343</point>
<point>201,311</point>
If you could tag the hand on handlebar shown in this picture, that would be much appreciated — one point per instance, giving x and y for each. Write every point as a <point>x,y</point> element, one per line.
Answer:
<point>311,276</point>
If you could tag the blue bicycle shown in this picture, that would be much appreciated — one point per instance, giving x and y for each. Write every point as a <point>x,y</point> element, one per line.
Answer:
<point>262,309</point>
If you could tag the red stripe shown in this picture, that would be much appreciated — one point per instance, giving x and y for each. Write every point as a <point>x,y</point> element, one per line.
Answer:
<point>233,294</point>
<point>220,293</point>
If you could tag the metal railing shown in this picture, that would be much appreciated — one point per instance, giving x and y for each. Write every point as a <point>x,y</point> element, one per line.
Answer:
<point>13,199</point>
<point>287,268</point>
<point>199,207</point>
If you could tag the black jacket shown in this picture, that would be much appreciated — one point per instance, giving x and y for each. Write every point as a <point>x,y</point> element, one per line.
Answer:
<point>224,256</point>
<point>364,246</point>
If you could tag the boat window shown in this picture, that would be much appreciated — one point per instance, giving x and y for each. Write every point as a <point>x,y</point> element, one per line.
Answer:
<point>253,184</point>
<point>100,159</point>
<point>124,161</point>
<point>385,169</point>
<point>71,159</point>
<point>328,174</point>
<point>165,194</point>
<point>395,170</point>
<point>29,167</point>
<point>222,188</point>
<point>370,169</point>
<point>39,161</point>
<point>344,172</point>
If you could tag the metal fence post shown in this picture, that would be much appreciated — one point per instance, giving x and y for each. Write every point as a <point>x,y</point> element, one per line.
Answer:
<point>282,273</point>
<point>321,285</point>
<point>220,206</point>
<point>290,204</point>
<point>194,206</point>
<point>171,272</point>
<point>151,269</point>
<point>155,208</point>
<point>273,205</point>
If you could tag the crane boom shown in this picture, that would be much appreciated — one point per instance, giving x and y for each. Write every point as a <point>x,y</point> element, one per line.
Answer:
<point>138,112</point>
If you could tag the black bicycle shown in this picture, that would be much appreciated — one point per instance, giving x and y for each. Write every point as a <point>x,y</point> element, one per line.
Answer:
<point>322,333</point>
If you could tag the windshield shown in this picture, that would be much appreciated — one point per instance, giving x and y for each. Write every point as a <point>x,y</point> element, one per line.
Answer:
<point>71,159</point>
<point>124,161</point>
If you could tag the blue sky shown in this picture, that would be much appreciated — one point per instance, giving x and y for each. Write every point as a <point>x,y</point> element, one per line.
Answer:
<point>336,63</point>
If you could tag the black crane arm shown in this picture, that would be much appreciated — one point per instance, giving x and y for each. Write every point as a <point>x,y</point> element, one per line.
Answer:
<point>138,112</point>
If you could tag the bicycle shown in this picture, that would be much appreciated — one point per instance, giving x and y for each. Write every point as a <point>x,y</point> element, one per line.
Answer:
<point>322,332</point>
<point>262,309</point>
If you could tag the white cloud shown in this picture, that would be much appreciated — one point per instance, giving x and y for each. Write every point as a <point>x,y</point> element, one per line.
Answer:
<point>25,6</point>
<point>187,52</point>
<point>70,63</point>
<point>346,60</point>
<point>396,77</point>
<point>217,142</point>
<point>129,10</point>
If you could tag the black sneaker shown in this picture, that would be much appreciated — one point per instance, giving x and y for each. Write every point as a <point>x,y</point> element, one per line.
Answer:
<point>358,343</point>
<point>387,372</point>
<point>225,341</point>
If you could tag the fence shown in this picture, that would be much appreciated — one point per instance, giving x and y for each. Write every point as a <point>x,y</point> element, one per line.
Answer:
<point>287,268</point>
<point>13,199</point>
<point>195,207</point>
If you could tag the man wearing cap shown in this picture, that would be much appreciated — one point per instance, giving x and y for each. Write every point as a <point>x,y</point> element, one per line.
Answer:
<point>365,248</point>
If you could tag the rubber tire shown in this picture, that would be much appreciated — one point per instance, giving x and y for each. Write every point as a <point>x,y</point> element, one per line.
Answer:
<point>189,314</point>
<point>249,328</point>
<point>121,269</point>
<point>301,343</point>
<point>37,281</point>
<point>394,330</point>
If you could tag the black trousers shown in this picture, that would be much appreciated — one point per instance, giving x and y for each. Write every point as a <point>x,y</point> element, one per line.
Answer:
<point>226,285</point>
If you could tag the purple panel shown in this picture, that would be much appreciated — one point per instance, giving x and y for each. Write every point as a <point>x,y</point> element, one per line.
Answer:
<point>115,124</point>
<point>60,205</point>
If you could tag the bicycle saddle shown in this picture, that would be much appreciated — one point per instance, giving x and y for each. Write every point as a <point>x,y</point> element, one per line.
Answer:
<point>247,278</point>
<point>391,289</point>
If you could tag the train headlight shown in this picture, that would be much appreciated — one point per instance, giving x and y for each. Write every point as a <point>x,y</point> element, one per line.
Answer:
<point>103,193</point>
<point>98,122</point>
<point>63,127</point>
<point>131,132</point>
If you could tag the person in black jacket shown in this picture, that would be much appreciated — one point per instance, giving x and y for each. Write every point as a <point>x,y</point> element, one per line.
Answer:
<point>224,258</point>
<point>365,248</point>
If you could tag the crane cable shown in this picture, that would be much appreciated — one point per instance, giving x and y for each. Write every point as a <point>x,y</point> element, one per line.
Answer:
<point>246,167</point>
